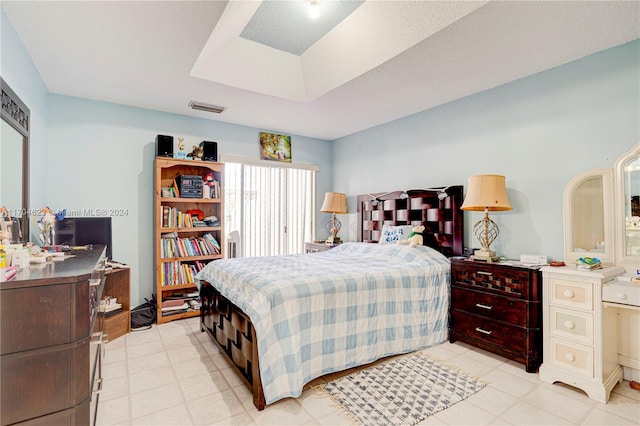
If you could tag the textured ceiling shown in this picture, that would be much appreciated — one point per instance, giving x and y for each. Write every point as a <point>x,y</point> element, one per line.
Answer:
<point>385,60</point>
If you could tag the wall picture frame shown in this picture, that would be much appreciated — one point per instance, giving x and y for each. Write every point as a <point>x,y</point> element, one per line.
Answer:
<point>275,147</point>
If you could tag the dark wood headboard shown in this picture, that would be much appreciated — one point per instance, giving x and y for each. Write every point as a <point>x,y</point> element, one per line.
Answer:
<point>442,218</point>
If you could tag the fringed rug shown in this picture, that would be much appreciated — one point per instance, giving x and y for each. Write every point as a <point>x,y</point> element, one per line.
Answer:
<point>402,391</point>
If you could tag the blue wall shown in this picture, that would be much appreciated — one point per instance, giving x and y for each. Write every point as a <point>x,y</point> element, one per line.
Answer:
<point>538,131</point>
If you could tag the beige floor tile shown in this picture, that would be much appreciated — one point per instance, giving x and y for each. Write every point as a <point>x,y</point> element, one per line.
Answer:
<point>492,400</point>
<point>186,353</point>
<point>114,411</point>
<point>244,395</point>
<point>115,370</point>
<point>156,399</point>
<point>440,352</point>
<point>148,348</point>
<point>114,355</point>
<point>204,384</point>
<point>562,406</point>
<point>625,390</point>
<point>337,418</point>
<point>519,370</point>
<point>150,379</point>
<point>317,403</point>
<point>284,412</point>
<point>468,365</point>
<point>142,336</point>
<point>215,408</point>
<point>241,420</point>
<point>114,388</point>
<point>174,416</point>
<point>463,413</point>
<point>118,342</point>
<point>624,407</point>
<point>148,362</point>
<point>523,413</point>
<point>231,376</point>
<point>194,367</point>
<point>508,383</point>
<point>488,358</point>
<point>599,417</point>
<point>179,341</point>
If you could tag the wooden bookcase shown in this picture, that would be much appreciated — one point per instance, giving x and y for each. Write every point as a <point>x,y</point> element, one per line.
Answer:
<point>168,266</point>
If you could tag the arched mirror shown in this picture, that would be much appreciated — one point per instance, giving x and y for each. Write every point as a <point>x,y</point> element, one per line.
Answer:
<point>627,171</point>
<point>14,165</point>
<point>588,216</point>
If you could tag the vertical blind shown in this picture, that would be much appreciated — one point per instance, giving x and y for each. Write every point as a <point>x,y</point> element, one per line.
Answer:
<point>271,207</point>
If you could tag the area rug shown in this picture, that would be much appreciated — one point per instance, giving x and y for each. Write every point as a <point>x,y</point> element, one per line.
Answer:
<point>402,391</point>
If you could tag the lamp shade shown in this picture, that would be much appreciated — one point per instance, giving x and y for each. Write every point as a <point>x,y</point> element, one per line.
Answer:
<point>486,192</point>
<point>334,202</point>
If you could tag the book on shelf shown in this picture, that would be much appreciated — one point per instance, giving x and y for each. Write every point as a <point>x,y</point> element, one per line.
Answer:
<point>182,306</point>
<point>109,304</point>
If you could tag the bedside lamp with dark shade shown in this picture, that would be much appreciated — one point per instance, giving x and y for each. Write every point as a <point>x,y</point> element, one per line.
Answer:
<point>486,193</point>
<point>336,203</point>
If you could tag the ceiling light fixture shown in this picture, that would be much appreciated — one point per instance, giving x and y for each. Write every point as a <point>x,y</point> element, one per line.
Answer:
<point>206,107</point>
<point>314,8</point>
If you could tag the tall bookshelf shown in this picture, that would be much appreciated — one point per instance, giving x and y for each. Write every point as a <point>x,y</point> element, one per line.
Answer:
<point>182,247</point>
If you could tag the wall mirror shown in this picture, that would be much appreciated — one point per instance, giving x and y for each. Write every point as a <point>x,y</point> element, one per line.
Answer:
<point>588,217</point>
<point>14,163</point>
<point>627,171</point>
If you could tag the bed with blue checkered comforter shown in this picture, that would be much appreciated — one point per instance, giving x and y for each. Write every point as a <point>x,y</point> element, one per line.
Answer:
<point>320,313</point>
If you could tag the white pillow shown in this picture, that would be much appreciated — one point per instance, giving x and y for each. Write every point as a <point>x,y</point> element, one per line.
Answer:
<point>393,234</point>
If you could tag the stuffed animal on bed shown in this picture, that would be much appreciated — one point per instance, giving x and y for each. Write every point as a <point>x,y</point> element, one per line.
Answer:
<point>415,237</point>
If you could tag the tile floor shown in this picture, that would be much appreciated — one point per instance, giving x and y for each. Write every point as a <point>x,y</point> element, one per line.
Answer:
<point>173,374</point>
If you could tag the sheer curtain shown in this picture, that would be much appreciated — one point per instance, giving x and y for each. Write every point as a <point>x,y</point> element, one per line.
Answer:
<point>273,208</point>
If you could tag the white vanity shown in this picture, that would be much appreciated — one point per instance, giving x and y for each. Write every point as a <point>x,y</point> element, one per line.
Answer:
<point>591,318</point>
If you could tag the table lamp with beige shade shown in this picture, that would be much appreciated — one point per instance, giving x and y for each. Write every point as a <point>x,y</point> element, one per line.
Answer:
<point>486,193</point>
<point>336,203</point>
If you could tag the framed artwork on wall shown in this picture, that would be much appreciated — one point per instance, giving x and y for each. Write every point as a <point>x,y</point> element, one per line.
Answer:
<point>275,147</point>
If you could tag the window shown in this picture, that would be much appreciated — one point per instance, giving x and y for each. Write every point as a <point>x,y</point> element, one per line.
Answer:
<point>272,207</point>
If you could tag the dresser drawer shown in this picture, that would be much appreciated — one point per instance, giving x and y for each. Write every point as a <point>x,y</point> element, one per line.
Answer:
<point>488,331</point>
<point>571,293</point>
<point>506,309</point>
<point>572,356</point>
<point>575,325</point>
<point>501,279</point>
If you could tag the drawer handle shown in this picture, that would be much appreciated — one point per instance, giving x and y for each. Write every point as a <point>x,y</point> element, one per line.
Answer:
<point>480,330</point>
<point>570,325</point>
<point>621,296</point>
<point>569,357</point>
<point>480,305</point>
<point>569,294</point>
<point>483,273</point>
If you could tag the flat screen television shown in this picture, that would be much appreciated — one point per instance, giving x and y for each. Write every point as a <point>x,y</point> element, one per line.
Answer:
<point>80,231</point>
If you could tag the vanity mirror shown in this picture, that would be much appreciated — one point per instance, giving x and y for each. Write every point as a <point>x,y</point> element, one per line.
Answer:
<point>588,228</point>
<point>14,161</point>
<point>627,187</point>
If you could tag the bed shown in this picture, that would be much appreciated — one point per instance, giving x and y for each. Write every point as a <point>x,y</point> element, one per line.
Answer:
<point>285,320</point>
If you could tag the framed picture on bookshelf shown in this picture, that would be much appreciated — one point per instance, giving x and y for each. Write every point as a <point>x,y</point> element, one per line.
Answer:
<point>275,147</point>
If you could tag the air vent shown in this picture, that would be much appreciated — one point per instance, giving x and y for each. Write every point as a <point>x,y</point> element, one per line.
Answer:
<point>206,107</point>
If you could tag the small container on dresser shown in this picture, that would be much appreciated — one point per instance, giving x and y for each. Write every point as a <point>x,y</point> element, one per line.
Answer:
<point>580,337</point>
<point>497,307</point>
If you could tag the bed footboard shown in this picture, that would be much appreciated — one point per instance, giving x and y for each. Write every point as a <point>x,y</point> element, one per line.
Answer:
<point>234,333</point>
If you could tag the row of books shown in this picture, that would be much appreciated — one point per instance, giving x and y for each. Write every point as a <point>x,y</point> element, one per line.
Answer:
<point>173,218</point>
<point>175,273</point>
<point>204,245</point>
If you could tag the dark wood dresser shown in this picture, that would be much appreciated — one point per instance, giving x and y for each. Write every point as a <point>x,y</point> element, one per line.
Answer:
<point>498,307</point>
<point>51,341</point>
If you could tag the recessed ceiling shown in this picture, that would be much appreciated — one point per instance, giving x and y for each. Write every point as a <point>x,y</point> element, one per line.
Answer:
<point>383,61</point>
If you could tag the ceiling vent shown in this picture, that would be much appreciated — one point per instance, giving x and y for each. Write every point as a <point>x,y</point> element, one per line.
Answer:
<point>206,107</point>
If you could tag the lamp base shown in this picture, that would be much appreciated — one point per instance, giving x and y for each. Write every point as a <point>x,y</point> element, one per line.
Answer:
<point>333,240</point>
<point>485,256</point>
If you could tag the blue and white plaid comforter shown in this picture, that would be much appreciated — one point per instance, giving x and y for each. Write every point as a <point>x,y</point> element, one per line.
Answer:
<point>319,313</point>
